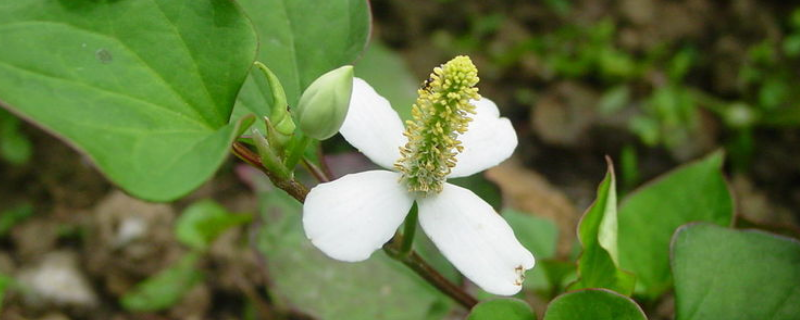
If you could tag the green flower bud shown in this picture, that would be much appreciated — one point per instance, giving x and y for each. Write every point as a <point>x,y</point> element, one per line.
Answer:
<point>324,104</point>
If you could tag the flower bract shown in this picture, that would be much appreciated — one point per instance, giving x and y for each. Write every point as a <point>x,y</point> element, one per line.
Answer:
<point>351,217</point>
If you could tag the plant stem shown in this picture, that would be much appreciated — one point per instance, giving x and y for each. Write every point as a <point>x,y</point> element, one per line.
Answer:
<point>293,187</point>
<point>415,262</point>
<point>395,248</point>
<point>409,229</point>
<point>315,171</point>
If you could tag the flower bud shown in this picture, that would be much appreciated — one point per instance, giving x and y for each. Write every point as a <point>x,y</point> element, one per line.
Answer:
<point>324,104</point>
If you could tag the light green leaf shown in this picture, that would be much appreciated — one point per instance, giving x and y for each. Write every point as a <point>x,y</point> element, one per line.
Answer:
<point>299,41</point>
<point>144,88</point>
<point>165,288</point>
<point>387,72</point>
<point>593,304</point>
<point>202,222</point>
<point>598,265</point>
<point>650,215</point>
<point>540,237</point>
<point>502,309</point>
<point>304,278</point>
<point>731,274</point>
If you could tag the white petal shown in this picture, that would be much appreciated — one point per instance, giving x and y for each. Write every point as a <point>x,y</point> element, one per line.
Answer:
<point>488,141</point>
<point>353,216</point>
<point>478,241</point>
<point>372,126</point>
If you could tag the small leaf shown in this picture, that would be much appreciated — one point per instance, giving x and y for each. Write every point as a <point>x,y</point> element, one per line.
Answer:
<point>597,232</point>
<point>14,146</point>
<point>165,288</point>
<point>593,304</point>
<point>202,222</point>
<point>144,88</point>
<point>11,217</point>
<point>502,309</point>
<point>650,215</point>
<point>731,274</point>
<point>5,283</point>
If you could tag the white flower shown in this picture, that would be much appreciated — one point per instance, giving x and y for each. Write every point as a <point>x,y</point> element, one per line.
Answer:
<point>353,216</point>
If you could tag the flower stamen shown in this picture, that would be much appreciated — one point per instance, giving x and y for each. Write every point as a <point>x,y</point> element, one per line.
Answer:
<point>440,115</point>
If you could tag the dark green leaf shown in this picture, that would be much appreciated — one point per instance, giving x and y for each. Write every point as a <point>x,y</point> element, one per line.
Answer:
<point>386,71</point>
<point>502,309</point>
<point>650,215</point>
<point>202,222</point>
<point>593,304</point>
<point>144,88</point>
<point>597,231</point>
<point>165,288</point>
<point>730,274</point>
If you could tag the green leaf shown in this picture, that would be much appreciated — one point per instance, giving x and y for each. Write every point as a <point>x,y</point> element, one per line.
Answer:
<point>165,288</point>
<point>731,274</point>
<point>144,88</point>
<point>11,217</point>
<point>540,237</point>
<point>650,215</point>
<point>387,72</point>
<point>304,278</point>
<point>299,41</point>
<point>597,232</point>
<point>14,146</point>
<point>502,309</point>
<point>5,283</point>
<point>203,221</point>
<point>593,304</point>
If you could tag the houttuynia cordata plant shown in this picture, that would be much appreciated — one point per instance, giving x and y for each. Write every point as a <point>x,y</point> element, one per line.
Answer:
<point>158,93</point>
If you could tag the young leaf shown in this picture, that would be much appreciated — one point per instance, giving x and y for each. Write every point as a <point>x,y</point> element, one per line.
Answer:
<point>299,41</point>
<point>202,222</point>
<point>502,309</point>
<point>723,273</point>
<point>593,304</point>
<point>650,215</point>
<point>166,288</point>
<point>144,88</point>
<point>598,265</point>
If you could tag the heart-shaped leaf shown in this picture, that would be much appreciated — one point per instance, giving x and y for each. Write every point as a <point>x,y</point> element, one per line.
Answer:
<point>502,309</point>
<point>723,273</point>
<point>593,304</point>
<point>650,215</point>
<point>144,88</point>
<point>299,41</point>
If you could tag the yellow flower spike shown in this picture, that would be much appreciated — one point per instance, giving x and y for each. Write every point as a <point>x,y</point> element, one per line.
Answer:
<point>440,115</point>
